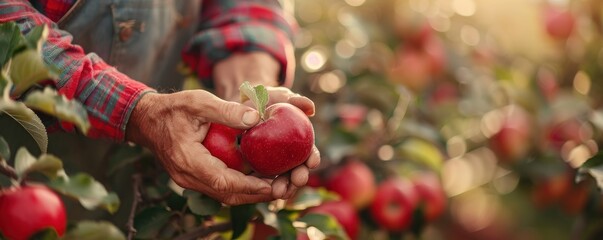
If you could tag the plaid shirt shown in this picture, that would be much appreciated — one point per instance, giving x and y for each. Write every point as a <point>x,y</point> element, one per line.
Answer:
<point>109,96</point>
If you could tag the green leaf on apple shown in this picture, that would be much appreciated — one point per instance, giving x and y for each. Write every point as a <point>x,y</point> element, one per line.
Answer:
<point>258,96</point>
<point>94,230</point>
<point>593,167</point>
<point>201,204</point>
<point>240,216</point>
<point>90,193</point>
<point>4,149</point>
<point>150,221</point>
<point>45,234</point>
<point>23,160</point>
<point>50,102</point>
<point>327,224</point>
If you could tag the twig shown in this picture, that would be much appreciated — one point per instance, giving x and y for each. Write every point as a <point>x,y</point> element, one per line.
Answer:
<point>203,231</point>
<point>7,170</point>
<point>137,181</point>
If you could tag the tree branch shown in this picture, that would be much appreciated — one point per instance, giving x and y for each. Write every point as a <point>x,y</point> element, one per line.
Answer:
<point>203,231</point>
<point>137,181</point>
<point>7,170</point>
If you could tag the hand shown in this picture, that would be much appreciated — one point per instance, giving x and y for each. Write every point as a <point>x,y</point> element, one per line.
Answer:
<point>173,127</point>
<point>255,67</point>
<point>286,185</point>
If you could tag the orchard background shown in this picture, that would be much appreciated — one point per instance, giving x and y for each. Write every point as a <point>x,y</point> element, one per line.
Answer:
<point>497,101</point>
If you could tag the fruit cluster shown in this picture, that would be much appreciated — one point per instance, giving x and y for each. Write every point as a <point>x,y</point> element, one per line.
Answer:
<point>391,204</point>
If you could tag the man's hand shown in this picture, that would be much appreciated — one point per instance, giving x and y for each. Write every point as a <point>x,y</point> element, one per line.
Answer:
<point>255,67</point>
<point>261,68</point>
<point>173,127</point>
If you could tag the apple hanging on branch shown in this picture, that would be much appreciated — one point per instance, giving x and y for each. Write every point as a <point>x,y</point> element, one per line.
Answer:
<point>281,141</point>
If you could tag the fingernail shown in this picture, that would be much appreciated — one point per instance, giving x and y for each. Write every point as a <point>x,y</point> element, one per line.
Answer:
<point>250,118</point>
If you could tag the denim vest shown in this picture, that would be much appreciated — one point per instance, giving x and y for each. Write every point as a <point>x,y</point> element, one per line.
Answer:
<point>141,38</point>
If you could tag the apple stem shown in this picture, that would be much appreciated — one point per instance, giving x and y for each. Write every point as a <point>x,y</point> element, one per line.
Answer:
<point>258,95</point>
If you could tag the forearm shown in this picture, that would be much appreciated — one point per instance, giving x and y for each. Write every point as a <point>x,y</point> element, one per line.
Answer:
<point>108,95</point>
<point>230,27</point>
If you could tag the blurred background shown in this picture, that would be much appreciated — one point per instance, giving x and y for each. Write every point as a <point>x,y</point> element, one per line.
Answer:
<point>500,98</point>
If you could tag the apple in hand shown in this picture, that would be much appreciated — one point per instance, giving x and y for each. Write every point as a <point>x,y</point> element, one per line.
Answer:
<point>343,212</point>
<point>394,204</point>
<point>280,142</point>
<point>222,142</point>
<point>354,182</point>
<point>26,210</point>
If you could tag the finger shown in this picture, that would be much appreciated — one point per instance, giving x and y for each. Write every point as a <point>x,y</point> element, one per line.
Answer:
<point>291,190</point>
<point>232,114</point>
<point>303,103</point>
<point>238,199</point>
<point>212,172</point>
<point>314,159</point>
<point>279,186</point>
<point>299,175</point>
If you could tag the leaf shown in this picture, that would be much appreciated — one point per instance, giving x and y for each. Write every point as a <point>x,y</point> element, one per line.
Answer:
<point>28,119</point>
<point>593,167</point>
<point>258,96</point>
<point>240,216</point>
<point>49,165</point>
<point>23,160</point>
<point>190,83</point>
<point>285,226</point>
<point>88,191</point>
<point>4,149</point>
<point>310,197</point>
<point>10,36</point>
<point>268,216</point>
<point>325,223</point>
<point>93,230</point>
<point>201,204</point>
<point>149,221</point>
<point>28,68</point>
<point>50,102</point>
<point>423,152</point>
<point>36,37</point>
<point>45,234</point>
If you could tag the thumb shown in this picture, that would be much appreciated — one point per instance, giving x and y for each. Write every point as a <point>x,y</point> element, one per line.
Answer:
<point>231,114</point>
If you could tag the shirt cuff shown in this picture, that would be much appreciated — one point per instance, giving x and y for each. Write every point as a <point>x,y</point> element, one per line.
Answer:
<point>210,46</point>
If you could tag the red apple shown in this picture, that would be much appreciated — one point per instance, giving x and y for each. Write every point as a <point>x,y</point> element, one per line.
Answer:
<point>221,142</point>
<point>411,68</point>
<point>343,212</point>
<point>351,115</point>
<point>279,143</point>
<point>354,182</point>
<point>559,22</point>
<point>314,180</point>
<point>26,210</point>
<point>561,132</point>
<point>513,140</point>
<point>432,195</point>
<point>394,204</point>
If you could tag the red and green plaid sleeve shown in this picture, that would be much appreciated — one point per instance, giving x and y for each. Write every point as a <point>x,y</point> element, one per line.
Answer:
<point>108,95</point>
<point>229,26</point>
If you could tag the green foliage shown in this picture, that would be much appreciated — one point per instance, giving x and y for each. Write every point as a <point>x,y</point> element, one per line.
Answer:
<point>325,223</point>
<point>94,230</point>
<point>150,221</point>
<point>46,234</point>
<point>240,216</point>
<point>258,96</point>
<point>90,193</point>
<point>201,204</point>
<point>4,149</point>
<point>50,102</point>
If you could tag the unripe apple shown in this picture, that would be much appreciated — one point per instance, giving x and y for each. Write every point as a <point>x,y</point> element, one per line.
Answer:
<point>431,193</point>
<point>354,182</point>
<point>343,212</point>
<point>221,142</point>
<point>280,142</point>
<point>394,204</point>
<point>27,210</point>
